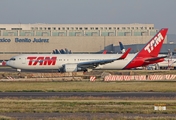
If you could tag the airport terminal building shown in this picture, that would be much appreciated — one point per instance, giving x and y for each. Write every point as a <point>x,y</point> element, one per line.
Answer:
<point>79,38</point>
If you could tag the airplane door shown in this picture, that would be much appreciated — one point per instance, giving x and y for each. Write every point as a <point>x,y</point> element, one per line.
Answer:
<point>23,60</point>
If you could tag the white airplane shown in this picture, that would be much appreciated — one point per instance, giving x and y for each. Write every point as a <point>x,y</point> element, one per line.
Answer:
<point>63,62</point>
<point>83,62</point>
<point>168,63</point>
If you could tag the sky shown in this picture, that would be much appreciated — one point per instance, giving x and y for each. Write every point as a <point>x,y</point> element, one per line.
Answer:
<point>161,13</point>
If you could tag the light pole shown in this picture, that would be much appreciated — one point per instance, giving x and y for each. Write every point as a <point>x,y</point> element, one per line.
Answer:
<point>104,42</point>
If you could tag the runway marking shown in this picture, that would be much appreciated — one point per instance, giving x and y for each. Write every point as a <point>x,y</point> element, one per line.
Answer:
<point>79,101</point>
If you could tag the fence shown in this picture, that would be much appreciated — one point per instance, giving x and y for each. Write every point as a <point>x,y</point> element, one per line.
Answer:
<point>138,77</point>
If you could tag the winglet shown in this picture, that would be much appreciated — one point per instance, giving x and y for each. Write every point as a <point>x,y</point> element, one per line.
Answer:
<point>125,54</point>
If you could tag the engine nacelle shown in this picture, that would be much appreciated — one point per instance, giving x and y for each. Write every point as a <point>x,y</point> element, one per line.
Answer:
<point>70,68</point>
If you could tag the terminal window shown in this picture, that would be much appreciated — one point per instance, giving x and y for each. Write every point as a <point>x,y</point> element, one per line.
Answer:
<point>2,28</point>
<point>78,34</point>
<point>144,34</point>
<point>44,34</point>
<point>94,34</point>
<point>16,29</point>
<point>123,28</point>
<point>111,34</point>
<point>27,34</point>
<point>10,34</point>
<point>61,34</point>
<point>127,34</point>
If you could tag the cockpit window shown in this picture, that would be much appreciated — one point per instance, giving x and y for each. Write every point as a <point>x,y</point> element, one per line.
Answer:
<point>12,59</point>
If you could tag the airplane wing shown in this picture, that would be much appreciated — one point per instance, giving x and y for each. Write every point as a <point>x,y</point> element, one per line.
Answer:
<point>94,64</point>
<point>155,58</point>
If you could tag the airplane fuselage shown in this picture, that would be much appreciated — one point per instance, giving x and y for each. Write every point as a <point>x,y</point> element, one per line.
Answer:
<point>56,61</point>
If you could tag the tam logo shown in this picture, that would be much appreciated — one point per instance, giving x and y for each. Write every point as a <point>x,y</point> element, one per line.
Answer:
<point>42,60</point>
<point>157,39</point>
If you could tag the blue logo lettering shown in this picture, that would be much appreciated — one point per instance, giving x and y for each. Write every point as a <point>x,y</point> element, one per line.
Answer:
<point>41,40</point>
<point>22,40</point>
<point>25,40</point>
<point>5,40</point>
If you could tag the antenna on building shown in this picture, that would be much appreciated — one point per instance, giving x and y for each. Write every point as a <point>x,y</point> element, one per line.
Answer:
<point>20,23</point>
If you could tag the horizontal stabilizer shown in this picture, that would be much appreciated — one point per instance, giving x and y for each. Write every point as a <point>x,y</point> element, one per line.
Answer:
<point>155,58</point>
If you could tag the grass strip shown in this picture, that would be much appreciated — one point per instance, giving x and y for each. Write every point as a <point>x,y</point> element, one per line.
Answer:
<point>132,86</point>
<point>85,106</point>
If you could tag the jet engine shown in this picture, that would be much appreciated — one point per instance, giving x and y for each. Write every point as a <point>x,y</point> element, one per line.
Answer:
<point>71,68</point>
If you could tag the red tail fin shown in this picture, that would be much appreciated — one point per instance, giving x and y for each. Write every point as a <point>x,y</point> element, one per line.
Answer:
<point>105,51</point>
<point>148,55</point>
<point>153,47</point>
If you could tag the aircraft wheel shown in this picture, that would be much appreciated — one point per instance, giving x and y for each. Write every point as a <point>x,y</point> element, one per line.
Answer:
<point>157,67</point>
